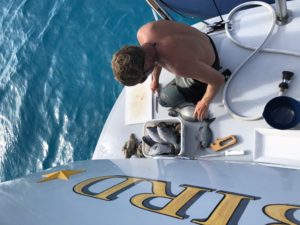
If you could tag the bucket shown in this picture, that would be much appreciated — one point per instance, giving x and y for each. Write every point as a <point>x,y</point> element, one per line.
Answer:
<point>282,112</point>
<point>155,122</point>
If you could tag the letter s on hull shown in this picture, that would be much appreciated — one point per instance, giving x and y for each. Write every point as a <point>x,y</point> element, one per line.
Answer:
<point>282,213</point>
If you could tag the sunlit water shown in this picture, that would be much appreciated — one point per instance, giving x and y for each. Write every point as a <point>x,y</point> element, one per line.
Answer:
<point>56,84</point>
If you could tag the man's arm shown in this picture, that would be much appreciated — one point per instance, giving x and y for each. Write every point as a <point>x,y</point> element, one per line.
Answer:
<point>214,80</point>
<point>202,106</point>
<point>155,78</point>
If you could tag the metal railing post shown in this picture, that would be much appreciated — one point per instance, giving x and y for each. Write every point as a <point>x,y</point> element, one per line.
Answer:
<point>159,10</point>
<point>281,12</point>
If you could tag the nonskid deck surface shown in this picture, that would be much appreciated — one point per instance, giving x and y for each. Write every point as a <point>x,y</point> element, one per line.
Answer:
<point>255,84</point>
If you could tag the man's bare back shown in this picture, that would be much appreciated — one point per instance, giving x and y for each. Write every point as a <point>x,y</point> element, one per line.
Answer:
<point>185,52</point>
<point>177,45</point>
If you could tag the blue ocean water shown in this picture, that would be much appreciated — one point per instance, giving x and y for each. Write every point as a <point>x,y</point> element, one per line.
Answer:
<point>56,83</point>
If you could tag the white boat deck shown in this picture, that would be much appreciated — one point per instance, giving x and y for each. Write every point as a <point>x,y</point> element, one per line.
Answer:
<point>171,192</point>
<point>252,88</point>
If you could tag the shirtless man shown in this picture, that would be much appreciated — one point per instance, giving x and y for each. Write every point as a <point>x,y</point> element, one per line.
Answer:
<point>182,50</point>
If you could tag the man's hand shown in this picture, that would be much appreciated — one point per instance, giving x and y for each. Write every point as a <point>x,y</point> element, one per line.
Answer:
<point>201,109</point>
<point>154,85</point>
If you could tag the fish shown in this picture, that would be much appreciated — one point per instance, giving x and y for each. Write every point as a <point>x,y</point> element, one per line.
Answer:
<point>130,146</point>
<point>163,138</point>
<point>148,141</point>
<point>159,149</point>
<point>185,111</point>
<point>178,129</point>
<point>205,133</point>
<point>152,132</point>
<point>167,134</point>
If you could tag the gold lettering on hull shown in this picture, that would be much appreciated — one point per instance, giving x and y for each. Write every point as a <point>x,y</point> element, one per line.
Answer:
<point>225,209</point>
<point>228,211</point>
<point>282,213</point>
<point>108,194</point>
<point>177,203</point>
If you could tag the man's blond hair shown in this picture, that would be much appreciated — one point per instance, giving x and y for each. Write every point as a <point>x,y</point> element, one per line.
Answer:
<point>128,65</point>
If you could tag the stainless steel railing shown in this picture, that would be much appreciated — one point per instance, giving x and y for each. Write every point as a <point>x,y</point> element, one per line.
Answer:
<point>156,8</point>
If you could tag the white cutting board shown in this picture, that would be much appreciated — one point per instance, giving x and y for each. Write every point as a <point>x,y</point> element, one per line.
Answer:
<point>138,103</point>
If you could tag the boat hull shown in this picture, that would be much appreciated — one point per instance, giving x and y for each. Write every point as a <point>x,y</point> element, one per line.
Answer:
<point>147,191</point>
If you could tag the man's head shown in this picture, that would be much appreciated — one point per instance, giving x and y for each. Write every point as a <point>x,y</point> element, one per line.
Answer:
<point>128,65</point>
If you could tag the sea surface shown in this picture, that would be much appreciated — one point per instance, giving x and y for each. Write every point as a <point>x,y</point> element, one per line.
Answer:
<point>56,83</point>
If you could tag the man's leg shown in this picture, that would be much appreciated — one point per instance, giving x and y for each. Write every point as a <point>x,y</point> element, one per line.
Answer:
<point>170,96</point>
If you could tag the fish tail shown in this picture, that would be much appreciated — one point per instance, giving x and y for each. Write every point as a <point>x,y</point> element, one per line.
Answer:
<point>210,120</point>
<point>147,139</point>
<point>172,113</point>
